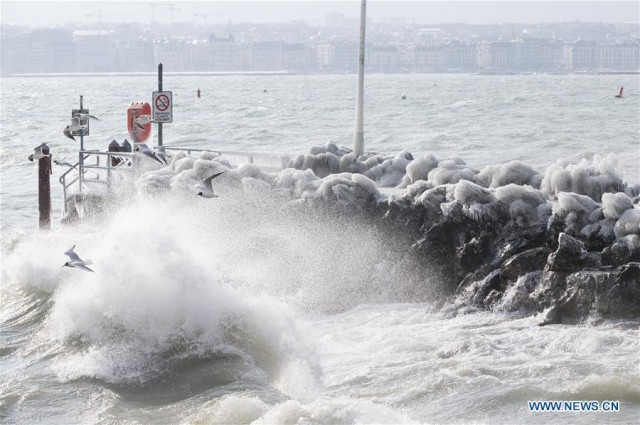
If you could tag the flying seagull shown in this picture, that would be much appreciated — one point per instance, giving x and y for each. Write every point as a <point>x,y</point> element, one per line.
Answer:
<point>161,153</point>
<point>142,120</point>
<point>65,163</point>
<point>144,149</point>
<point>206,188</point>
<point>67,132</point>
<point>76,125</point>
<point>83,116</point>
<point>77,262</point>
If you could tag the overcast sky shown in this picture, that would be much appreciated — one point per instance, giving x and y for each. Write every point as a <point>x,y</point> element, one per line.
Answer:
<point>52,13</point>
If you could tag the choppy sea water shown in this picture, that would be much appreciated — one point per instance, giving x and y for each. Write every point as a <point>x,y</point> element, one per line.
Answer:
<point>236,312</point>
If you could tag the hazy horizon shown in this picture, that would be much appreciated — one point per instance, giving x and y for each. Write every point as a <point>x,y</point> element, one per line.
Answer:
<point>60,13</point>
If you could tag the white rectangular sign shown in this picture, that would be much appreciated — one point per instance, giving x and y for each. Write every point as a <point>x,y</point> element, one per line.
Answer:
<point>162,105</point>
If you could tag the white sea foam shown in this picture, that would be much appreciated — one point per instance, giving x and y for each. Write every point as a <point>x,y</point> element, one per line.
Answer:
<point>157,296</point>
<point>251,410</point>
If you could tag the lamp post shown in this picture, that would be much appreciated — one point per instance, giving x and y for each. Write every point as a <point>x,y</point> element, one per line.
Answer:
<point>358,136</point>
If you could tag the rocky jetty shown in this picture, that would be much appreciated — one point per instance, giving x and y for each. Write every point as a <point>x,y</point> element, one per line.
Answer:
<point>563,243</point>
<point>517,248</point>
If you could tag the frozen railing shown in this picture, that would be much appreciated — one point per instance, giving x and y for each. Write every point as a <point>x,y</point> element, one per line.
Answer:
<point>108,163</point>
<point>103,162</point>
<point>267,162</point>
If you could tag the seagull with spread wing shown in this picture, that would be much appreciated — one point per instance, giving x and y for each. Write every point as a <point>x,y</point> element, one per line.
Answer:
<point>206,188</point>
<point>76,262</point>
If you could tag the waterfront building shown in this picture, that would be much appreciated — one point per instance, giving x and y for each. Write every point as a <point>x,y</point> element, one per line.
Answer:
<point>622,56</point>
<point>580,55</point>
<point>94,51</point>
<point>429,58</point>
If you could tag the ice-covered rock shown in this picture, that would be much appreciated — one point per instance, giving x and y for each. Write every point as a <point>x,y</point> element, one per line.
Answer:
<point>628,223</point>
<point>450,171</point>
<point>590,179</point>
<point>391,171</point>
<point>475,201</point>
<point>419,170</point>
<point>514,172</point>
<point>614,204</point>
<point>622,251</point>
<point>525,205</point>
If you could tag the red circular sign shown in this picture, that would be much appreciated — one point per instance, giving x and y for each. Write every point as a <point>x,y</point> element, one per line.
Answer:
<point>162,102</point>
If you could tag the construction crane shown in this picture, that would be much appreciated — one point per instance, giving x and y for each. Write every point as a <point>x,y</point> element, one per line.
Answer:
<point>206,16</point>
<point>101,15</point>
<point>98,15</point>
<point>169,6</point>
<point>202,15</point>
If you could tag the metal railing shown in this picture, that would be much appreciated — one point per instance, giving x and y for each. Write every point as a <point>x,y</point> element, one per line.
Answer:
<point>268,162</point>
<point>110,165</point>
<point>91,160</point>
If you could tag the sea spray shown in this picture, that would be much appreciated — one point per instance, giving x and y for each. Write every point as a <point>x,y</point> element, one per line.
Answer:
<point>156,299</point>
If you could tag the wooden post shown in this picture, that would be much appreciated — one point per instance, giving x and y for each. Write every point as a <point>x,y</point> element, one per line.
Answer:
<point>44,189</point>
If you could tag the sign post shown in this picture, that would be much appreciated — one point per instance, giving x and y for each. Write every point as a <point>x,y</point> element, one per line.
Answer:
<point>162,104</point>
<point>83,131</point>
<point>159,89</point>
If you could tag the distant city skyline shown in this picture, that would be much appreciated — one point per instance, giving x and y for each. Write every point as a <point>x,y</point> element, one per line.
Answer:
<point>296,47</point>
<point>60,13</point>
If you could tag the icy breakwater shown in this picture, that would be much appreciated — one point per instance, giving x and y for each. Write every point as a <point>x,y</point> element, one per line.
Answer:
<point>564,242</point>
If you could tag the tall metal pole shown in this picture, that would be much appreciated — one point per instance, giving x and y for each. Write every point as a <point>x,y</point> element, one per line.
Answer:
<point>358,137</point>
<point>159,89</point>
<point>81,157</point>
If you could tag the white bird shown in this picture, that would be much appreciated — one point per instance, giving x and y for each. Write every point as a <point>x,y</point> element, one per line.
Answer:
<point>76,262</point>
<point>144,149</point>
<point>67,132</point>
<point>206,188</point>
<point>37,152</point>
<point>76,125</point>
<point>65,163</point>
<point>84,116</point>
<point>161,153</point>
<point>142,120</point>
